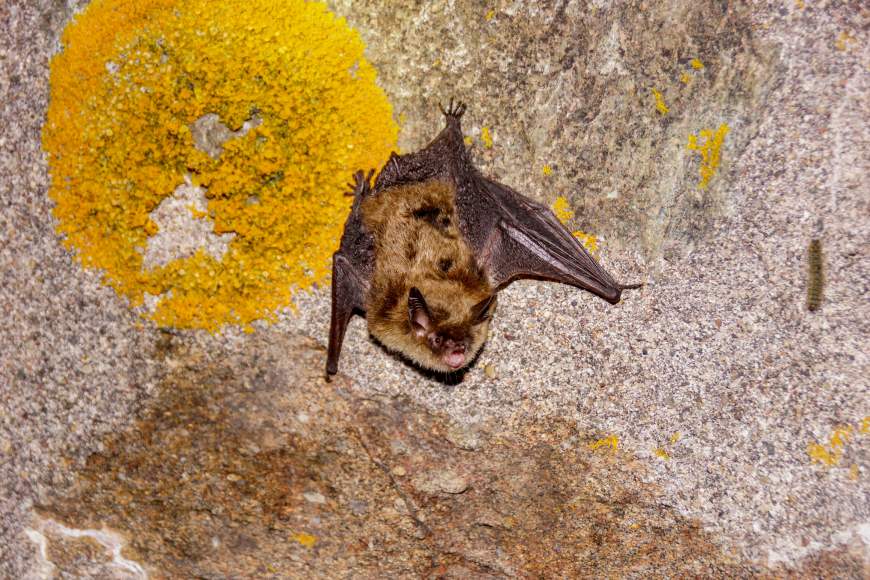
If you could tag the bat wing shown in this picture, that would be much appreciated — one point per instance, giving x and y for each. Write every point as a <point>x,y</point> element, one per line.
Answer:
<point>525,240</point>
<point>352,267</point>
<point>512,236</point>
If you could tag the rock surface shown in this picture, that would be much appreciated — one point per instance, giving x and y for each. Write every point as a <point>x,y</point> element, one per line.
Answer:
<point>125,450</point>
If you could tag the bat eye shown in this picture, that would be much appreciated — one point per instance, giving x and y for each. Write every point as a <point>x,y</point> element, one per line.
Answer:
<point>437,340</point>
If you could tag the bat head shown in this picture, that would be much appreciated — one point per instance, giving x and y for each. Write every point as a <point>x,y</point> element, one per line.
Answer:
<point>447,336</point>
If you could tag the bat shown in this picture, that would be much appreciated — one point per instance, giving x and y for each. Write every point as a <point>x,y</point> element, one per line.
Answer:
<point>428,246</point>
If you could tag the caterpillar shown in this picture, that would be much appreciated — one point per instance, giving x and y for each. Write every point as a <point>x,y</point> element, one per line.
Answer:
<point>815,275</point>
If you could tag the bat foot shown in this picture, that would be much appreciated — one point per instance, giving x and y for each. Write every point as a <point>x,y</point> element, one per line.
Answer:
<point>454,111</point>
<point>361,184</point>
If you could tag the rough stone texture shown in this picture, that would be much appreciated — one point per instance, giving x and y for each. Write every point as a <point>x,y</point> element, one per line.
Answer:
<point>200,450</point>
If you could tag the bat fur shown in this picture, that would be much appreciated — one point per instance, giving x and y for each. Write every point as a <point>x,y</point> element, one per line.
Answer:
<point>427,247</point>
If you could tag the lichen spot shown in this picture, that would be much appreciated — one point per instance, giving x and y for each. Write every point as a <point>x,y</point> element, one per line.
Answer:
<point>589,241</point>
<point>661,107</point>
<point>206,106</point>
<point>708,144</point>
<point>562,209</point>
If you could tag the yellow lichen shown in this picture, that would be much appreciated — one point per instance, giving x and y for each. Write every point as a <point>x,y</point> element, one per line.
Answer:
<point>490,14</point>
<point>696,64</point>
<point>468,139</point>
<point>131,80</point>
<point>865,426</point>
<point>547,170</point>
<point>685,78</point>
<point>562,209</point>
<point>833,453</point>
<point>661,107</point>
<point>708,144</point>
<point>662,454</point>
<point>676,437</point>
<point>486,137</point>
<point>306,540</point>
<point>843,41</point>
<point>611,441</point>
<point>854,472</point>
<point>799,4</point>
<point>589,241</point>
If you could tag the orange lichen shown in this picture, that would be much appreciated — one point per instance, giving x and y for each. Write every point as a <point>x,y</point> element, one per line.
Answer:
<point>844,40</point>
<point>611,442</point>
<point>562,209</point>
<point>130,82</point>
<point>589,241</point>
<point>306,540</point>
<point>709,149</point>
<point>486,137</point>
<point>661,107</point>
<point>833,453</point>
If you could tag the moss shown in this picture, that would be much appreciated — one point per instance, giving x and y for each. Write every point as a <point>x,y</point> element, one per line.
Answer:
<point>708,144</point>
<point>131,80</point>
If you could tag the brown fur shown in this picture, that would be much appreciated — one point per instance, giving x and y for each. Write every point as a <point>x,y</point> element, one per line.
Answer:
<point>418,244</point>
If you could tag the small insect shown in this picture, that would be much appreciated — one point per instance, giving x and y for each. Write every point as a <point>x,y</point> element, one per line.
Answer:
<point>815,275</point>
<point>428,246</point>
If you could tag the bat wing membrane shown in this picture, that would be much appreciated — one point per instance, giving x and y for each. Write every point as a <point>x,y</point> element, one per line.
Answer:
<point>527,241</point>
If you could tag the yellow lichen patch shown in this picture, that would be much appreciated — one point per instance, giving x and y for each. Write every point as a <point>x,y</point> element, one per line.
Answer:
<point>486,137</point>
<point>696,64</point>
<point>685,78</point>
<point>306,540</point>
<point>562,209</point>
<point>611,442</point>
<point>131,81</point>
<point>490,14</point>
<point>662,454</point>
<point>676,436</point>
<point>799,4</point>
<point>708,144</point>
<point>865,426</point>
<point>843,41</point>
<point>547,170</point>
<point>589,241</point>
<point>468,139</point>
<point>833,453</point>
<point>661,107</point>
<point>854,472</point>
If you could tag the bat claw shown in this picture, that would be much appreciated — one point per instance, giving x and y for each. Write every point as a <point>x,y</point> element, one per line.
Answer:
<point>454,110</point>
<point>361,184</point>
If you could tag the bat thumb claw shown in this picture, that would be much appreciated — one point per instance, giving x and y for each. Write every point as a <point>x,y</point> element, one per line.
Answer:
<point>631,286</point>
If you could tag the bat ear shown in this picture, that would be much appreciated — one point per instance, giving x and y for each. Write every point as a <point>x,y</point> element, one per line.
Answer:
<point>418,312</point>
<point>483,309</point>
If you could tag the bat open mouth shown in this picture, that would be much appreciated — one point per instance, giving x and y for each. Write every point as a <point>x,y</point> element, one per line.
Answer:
<point>455,359</point>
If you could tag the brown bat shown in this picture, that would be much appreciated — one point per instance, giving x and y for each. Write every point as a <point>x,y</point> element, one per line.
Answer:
<point>428,246</point>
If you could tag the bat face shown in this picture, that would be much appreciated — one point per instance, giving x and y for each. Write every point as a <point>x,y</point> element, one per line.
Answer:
<point>429,244</point>
<point>442,334</point>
